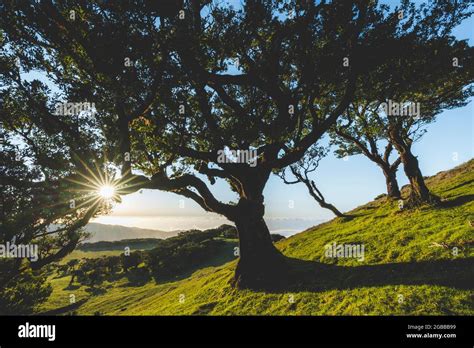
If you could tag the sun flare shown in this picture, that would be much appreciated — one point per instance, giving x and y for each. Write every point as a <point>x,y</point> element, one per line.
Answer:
<point>106,191</point>
<point>100,186</point>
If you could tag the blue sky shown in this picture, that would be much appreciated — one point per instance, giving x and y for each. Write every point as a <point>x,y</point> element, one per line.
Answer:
<point>347,184</point>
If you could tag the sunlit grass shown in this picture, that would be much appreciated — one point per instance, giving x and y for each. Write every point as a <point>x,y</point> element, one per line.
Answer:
<point>390,236</point>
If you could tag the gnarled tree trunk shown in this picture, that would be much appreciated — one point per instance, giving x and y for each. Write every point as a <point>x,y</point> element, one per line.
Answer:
<point>393,191</point>
<point>260,264</point>
<point>419,193</point>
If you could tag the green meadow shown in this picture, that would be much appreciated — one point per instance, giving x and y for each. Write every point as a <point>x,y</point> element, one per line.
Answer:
<point>416,262</point>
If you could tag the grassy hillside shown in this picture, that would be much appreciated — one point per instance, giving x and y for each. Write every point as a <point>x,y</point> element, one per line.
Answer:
<point>135,244</point>
<point>81,254</point>
<point>416,262</point>
<point>104,249</point>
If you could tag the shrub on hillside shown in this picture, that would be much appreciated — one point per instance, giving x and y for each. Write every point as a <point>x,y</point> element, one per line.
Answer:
<point>23,292</point>
<point>277,237</point>
<point>131,261</point>
<point>174,258</point>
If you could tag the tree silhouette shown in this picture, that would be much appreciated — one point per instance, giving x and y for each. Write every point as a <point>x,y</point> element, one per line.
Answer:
<point>359,131</point>
<point>301,171</point>
<point>434,71</point>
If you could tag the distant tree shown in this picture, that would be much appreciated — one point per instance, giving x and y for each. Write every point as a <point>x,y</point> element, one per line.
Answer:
<point>359,131</point>
<point>72,268</point>
<point>434,72</point>
<point>404,131</point>
<point>366,126</point>
<point>112,264</point>
<point>95,277</point>
<point>131,261</point>
<point>157,261</point>
<point>300,172</point>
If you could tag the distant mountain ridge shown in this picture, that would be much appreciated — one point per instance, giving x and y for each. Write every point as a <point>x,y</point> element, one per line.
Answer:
<point>111,233</point>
